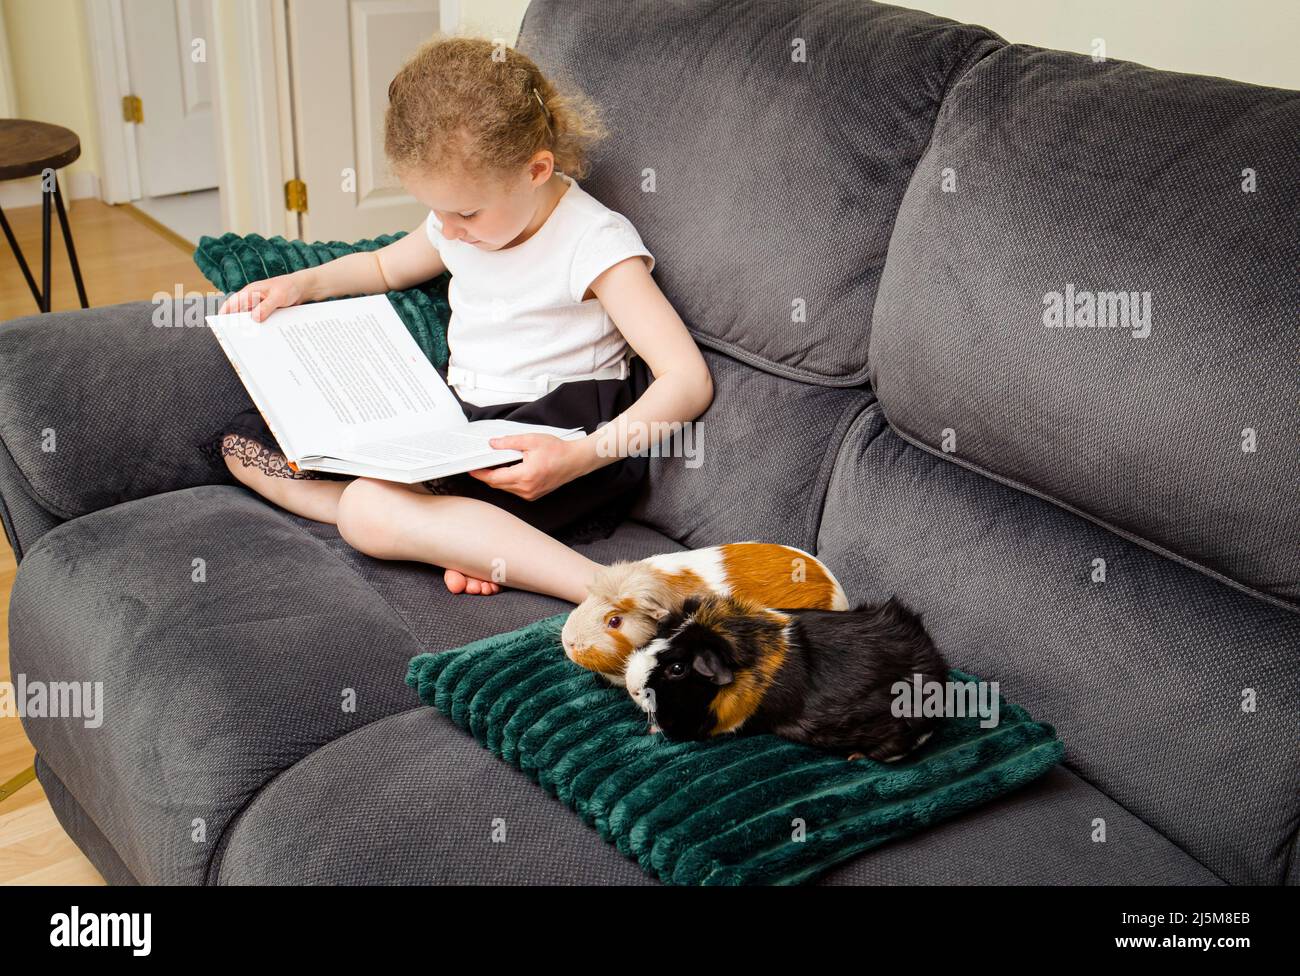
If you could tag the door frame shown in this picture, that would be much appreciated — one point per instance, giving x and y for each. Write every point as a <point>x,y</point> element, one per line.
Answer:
<point>252,96</point>
<point>119,178</point>
<point>249,94</point>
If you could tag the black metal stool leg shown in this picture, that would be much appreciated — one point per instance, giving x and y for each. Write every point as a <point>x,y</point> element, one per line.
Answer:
<point>22,261</point>
<point>67,241</point>
<point>45,247</point>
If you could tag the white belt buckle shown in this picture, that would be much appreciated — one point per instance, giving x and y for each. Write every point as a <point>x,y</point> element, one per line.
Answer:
<point>458,376</point>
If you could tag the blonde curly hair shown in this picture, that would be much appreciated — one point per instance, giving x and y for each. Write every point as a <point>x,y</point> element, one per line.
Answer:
<point>470,106</point>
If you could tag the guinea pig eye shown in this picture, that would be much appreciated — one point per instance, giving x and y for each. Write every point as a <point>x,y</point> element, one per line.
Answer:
<point>614,622</point>
<point>677,669</point>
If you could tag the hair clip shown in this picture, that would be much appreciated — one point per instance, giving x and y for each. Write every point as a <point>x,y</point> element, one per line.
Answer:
<point>546,111</point>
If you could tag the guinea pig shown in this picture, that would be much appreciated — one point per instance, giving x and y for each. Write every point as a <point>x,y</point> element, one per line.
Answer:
<point>628,599</point>
<point>821,678</point>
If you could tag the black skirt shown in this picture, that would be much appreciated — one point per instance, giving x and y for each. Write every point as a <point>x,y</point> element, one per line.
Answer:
<point>583,510</point>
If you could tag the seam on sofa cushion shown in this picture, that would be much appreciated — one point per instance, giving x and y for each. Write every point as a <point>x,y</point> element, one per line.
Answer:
<point>1115,530</point>
<point>830,460</point>
<point>25,483</point>
<point>961,68</point>
<point>11,530</point>
<point>964,65</point>
<point>1079,773</point>
<point>779,369</point>
<point>218,856</point>
<point>40,760</point>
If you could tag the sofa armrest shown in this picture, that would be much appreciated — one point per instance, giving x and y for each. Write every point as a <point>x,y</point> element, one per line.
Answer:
<point>102,406</point>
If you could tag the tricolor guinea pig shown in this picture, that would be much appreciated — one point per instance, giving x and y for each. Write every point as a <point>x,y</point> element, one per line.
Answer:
<point>821,678</point>
<point>627,600</point>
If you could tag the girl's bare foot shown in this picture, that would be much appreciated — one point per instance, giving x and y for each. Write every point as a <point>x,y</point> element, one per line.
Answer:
<point>458,582</point>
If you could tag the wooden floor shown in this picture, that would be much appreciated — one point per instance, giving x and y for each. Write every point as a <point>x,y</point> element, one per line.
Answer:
<point>123,258</point>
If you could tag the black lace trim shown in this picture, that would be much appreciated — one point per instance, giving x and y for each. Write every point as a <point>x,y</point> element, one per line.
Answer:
<point>441,486</point>
<point>252,454</point>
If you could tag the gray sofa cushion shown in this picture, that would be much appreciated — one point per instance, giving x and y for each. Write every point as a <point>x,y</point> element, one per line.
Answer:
<point>765,448</point>
<point>213,688</point>
<point>431,820</point>
<point>125,400</point>
<point>1143,675</point>
<point>775,180</point>
<point>1109,177</point>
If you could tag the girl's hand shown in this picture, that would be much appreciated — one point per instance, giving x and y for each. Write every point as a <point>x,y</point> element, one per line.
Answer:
<point>264,297</point>
<point>548,462</point>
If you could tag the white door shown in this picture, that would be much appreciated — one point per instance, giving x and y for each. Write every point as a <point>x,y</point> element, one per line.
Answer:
<point>343,55</point>
<point>168,72</point>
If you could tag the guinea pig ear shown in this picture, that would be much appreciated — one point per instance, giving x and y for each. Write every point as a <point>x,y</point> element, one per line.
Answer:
<point>654,607</point>
<point>712,667</point>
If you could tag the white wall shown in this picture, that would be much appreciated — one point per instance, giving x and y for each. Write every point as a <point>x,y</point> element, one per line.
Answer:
<point>494,18</point>
<point>1249,40</point>
<point>48,63</point>
<point>8,93</point>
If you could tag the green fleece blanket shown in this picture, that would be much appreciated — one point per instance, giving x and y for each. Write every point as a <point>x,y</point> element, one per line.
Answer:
<point>742,809</point>
<point>230,262</point>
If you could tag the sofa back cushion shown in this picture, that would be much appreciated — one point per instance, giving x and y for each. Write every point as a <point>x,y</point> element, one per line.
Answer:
<point>1091,295</point>
<point>761,149</point>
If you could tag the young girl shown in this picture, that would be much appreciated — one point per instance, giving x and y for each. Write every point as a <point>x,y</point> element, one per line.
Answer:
<point>549,288</point>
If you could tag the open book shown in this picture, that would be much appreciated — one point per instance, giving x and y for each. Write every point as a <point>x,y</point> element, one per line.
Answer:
<point>344,388</point>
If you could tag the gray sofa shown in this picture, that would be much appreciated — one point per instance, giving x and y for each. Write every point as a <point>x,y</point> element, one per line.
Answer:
<point>866,243</point>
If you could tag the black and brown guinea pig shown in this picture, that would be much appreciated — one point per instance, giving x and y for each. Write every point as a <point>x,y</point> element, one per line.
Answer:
<point>824,678</point>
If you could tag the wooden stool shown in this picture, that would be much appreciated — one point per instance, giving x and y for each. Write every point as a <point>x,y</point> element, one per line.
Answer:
<point>39,149</point>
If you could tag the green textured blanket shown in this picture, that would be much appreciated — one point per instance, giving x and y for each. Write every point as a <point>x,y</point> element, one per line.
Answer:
<point>743,809</point>
<point>230,262</point>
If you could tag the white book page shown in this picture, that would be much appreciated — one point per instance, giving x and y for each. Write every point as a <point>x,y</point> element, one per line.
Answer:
<point>407,453</point>
<point>338,374</point>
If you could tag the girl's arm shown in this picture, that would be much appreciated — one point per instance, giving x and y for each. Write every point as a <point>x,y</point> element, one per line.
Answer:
<point>401,264</point>
<point>682,387</point>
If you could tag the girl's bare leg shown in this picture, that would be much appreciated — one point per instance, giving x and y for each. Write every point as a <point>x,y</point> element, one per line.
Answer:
<point>267,473</point>
<point>481,541</point>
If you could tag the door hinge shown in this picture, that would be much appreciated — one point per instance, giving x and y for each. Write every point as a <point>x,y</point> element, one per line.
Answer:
<point>295,196</point>
<point>132,109</point>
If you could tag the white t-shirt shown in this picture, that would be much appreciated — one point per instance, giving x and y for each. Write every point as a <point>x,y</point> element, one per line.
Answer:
<point>518,312</point>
